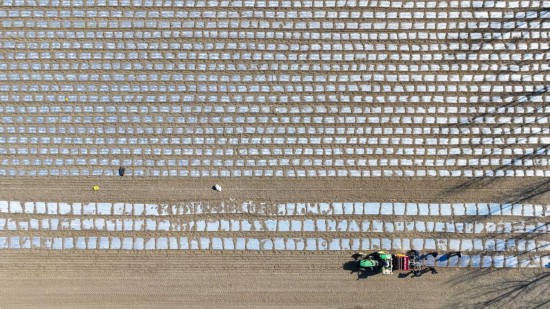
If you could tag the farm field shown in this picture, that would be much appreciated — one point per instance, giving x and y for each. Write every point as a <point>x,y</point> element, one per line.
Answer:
<point>268,247</point>
<point>257,279</point>
<point>332,127</point>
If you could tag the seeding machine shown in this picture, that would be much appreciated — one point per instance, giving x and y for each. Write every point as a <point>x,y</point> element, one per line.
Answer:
<point>385,263</point>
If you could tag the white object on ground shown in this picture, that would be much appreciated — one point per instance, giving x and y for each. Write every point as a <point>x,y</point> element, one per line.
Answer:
<point>217,187</point>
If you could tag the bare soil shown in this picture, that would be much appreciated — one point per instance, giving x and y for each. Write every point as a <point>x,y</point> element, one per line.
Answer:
<point>35,278</point>
<point>249,279</point>
<point>166,190</point>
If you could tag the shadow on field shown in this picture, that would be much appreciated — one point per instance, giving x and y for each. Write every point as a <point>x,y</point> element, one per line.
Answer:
<point>523,194</point>
<point>525,291</point>
<point>535,97</point>
<point>523,228</point>
<point>353,267</point>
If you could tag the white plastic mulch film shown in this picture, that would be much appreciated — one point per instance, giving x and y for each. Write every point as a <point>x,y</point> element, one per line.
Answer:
<point>508,235</point>
<point>274,88</point>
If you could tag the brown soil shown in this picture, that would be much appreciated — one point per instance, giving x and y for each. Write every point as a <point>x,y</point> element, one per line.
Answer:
<point>251,279</point>
<point>165,190</point>
<point>255,279</point>
<point>34,278</point>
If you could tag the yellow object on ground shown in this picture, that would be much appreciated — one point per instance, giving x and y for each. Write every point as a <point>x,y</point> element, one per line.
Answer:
<point>95,188</point>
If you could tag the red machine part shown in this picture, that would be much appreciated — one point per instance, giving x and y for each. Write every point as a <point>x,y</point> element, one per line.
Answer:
<point>401,262</point>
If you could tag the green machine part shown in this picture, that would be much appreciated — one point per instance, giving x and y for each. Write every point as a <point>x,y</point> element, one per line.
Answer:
<point>385,256</point>
<point>368,263</point>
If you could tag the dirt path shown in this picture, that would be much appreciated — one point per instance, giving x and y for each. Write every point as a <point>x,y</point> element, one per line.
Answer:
<point>119,189</point>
